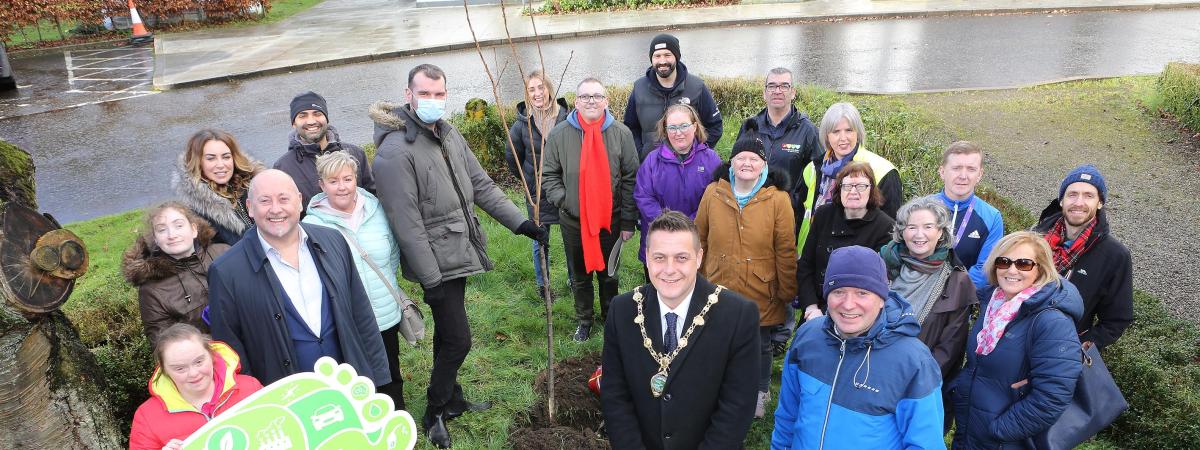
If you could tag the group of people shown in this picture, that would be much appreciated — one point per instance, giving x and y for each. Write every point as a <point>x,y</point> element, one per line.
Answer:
<point>799,245</point>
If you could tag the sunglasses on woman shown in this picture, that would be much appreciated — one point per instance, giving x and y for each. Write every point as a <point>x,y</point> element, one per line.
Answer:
<point>1023,264</point>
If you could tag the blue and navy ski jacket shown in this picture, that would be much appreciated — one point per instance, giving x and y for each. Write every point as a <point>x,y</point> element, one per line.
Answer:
<point>880,390</point>
<point>1043,351</point>
<point>985,227</point>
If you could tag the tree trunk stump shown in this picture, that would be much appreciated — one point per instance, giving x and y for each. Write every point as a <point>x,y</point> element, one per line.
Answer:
<point>51,390</point>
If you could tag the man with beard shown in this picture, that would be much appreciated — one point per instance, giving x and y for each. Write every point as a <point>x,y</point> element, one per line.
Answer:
<point>668,82</point>
<point>1089,256</point>
<point>313,136</point>
<point>288,293</point>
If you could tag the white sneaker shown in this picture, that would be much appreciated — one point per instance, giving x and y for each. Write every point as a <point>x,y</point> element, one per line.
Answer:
<point>760,409</point>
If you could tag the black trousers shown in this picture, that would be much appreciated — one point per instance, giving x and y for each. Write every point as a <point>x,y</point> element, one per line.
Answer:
<point>581,279</point>
<point>391,346</point>
<point>451,340</point>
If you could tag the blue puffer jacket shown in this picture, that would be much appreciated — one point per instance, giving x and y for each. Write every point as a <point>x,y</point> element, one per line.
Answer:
<point>880,390</point>
<point>375,236</point>
<point>989,412</point>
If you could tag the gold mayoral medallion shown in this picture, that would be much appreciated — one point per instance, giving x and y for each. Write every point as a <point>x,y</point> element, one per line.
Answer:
<point>658,382</point>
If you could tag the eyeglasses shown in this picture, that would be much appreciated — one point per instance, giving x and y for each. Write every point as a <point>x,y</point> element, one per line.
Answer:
<point>861,187</point>
<point>679,128</point>
<point>778,86</point>
<point>1023,264</point>
<point>592,98</point>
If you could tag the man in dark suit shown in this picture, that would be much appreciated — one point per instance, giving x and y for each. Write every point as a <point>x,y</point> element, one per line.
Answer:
<point>288,294</point>
<point>681,354</point>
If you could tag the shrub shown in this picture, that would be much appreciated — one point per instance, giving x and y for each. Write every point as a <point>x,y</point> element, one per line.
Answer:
<point>486,136</point>
<point>1156,365</point>
<point>1179,93</point>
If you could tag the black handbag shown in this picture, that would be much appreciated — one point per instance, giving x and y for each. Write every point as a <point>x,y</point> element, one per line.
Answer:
<point>1096,404</point>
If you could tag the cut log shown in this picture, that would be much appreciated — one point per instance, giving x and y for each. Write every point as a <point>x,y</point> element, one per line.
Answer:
<point>51,390</point>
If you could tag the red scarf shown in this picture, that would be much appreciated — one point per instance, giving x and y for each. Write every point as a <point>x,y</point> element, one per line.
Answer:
<point>1064,257</point>
<point>595,193</point>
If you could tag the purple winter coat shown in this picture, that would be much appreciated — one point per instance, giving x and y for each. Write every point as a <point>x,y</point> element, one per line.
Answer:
<point>665,182</point>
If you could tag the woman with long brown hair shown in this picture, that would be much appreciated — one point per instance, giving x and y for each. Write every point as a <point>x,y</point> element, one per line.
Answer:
<point>213,179</point>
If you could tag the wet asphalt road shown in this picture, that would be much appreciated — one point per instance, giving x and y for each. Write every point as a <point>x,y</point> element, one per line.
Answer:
<point>109,157</point>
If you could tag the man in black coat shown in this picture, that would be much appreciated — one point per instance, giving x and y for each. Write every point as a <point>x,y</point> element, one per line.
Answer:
<point>681,354</point>
<point>667,82</point>
<point>1089,256</point>
<point>288,294</point>
<point>313,136</point>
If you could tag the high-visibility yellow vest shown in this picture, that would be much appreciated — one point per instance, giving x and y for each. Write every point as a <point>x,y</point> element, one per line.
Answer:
<point>879,165</point>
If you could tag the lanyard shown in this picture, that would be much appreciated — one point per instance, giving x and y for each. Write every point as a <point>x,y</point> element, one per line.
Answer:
<point>962,228</point>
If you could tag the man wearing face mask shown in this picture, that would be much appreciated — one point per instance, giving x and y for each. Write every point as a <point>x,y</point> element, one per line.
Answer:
<point>434,183</point>
<point>313,136</point>
<point>667,82</point>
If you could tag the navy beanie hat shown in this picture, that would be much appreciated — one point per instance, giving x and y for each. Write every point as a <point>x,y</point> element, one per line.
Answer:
<point>1086,173</point>
<point>858,267</point>
<point>308,101</point>
<point>665,42</point>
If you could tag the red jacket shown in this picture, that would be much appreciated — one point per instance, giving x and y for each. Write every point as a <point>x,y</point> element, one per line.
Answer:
<point>166,415</point>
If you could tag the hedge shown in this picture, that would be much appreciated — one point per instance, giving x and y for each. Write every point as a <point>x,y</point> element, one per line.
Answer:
<point>1179,93</point>
<point>16,15</point>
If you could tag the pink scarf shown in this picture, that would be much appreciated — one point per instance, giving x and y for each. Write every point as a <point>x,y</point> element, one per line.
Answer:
<point>999,314</point>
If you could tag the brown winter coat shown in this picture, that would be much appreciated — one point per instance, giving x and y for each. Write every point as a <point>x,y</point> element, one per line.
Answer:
<point>170,290</point>
<point>751,250</point>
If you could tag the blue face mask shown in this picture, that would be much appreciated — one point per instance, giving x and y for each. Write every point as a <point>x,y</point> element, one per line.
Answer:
<point>430,110</point>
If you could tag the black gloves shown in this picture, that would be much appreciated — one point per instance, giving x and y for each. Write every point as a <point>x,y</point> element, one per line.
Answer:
<point>532,231</point>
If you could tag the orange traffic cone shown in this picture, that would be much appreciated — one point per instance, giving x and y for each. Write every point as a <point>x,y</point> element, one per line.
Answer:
<point>140,35</point>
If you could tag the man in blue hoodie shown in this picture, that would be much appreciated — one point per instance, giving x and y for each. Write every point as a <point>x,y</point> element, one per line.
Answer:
<point>666,83</point>
<point>977,225</point>
<point>859,377</point>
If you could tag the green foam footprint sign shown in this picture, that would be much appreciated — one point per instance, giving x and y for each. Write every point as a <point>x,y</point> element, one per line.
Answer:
<point>330,408</point>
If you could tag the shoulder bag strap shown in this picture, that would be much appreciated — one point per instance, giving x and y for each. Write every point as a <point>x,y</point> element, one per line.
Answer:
<point>401,299</point>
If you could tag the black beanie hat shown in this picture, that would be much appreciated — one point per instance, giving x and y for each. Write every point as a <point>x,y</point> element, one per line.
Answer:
<point>306,101</point>
<point>748,141</point>
<point>667,42</point>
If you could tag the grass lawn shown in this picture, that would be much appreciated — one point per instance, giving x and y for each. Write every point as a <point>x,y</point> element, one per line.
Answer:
<point>507,318</point>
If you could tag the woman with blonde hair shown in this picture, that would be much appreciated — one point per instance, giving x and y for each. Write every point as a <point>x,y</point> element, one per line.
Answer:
<point>213,179</point>
<point>168,263</point>
<point>536,116</point>
<point>1022,354</point>
<point>350,209</point>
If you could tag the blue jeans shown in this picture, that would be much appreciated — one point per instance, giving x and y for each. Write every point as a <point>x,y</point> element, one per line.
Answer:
<point>537,262</point>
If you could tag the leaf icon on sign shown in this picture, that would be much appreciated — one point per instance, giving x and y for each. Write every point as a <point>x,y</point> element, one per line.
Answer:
<point>227,442</point>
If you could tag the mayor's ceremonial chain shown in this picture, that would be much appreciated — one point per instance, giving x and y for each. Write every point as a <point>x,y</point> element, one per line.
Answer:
<point>658,382</point>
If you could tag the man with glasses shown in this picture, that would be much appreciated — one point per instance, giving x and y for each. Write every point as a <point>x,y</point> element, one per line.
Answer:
<point>791,141</point>
<point>667,82</point>
<point>430,192</point>
<point>590,166</point>
<point>1089,256</point>
<point>790,138</point>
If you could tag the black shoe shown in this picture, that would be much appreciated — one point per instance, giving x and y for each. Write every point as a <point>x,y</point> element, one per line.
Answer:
<point>434,424</point>
<point>462,406</point>
<point>582,333</point>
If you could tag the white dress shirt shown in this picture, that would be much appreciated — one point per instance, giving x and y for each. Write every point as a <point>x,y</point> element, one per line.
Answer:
<point>680,311</point>
<point>302,284</point>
